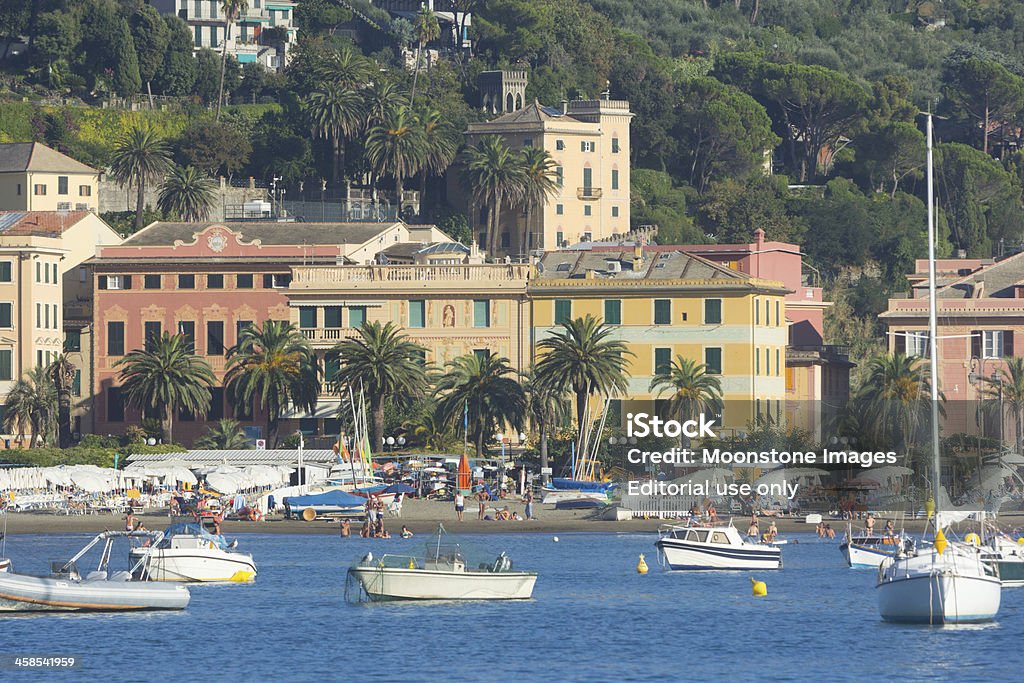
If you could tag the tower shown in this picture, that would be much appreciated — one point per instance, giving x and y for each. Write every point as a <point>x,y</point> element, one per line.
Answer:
<point>502,92</point>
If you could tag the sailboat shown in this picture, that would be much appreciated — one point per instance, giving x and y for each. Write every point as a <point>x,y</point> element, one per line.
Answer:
<point>582,489</point>
<point>944,583</point>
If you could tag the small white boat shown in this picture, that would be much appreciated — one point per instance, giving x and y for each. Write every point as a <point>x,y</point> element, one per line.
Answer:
<point>555,496</point>
<point>713,547</point>
<point>65,590</point>
<point>187,552</point>
<point>442,574</point>
<point>869,551</point>
<point>1007,556</point>
<point>5,564</point>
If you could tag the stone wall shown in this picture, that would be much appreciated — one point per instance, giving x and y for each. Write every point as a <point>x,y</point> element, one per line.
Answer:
<point>114,197</point>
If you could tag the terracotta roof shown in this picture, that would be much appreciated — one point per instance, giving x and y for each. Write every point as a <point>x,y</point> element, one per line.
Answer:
<point>38,223</point>
<point>34,156</point>
<point>534,112</point>
<point>164,233</point>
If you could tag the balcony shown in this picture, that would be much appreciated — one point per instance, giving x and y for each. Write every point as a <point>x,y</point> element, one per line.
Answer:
<point>328,334</point>
<point>588,193</point>
<point>461,277</point>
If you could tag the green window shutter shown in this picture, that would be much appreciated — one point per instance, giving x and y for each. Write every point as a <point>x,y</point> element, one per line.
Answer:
<point>76,384</point>
<point>357,316</point>
<point>662,360</point>
<point>417,313</point>
<point>481,313</point>
<point>307,317</point>
<point>332,317</point>
<point>5,271</point>
<point>712,311</point>
<point>6,364</point>
<point>713,361</point>
<point>563,311</point>
<point>115,339</point>
<point>613,311</point>
<point>662,311</point>
<point>6,315</point>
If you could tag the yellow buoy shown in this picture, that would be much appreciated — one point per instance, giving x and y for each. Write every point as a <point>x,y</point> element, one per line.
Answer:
<point>1020,541</point>
<point>929,507</point>
<point>412,563</point>
<point>973,538</point>
<point>641,566</point>
<point>759,588</point>
<point>940,542</point>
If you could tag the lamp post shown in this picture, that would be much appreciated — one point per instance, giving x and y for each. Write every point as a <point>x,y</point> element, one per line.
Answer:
<point>501,467</point>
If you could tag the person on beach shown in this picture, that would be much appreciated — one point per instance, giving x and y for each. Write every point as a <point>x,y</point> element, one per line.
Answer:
<point>528,499</point>
<point>482,496</point>
<point>460,505</point>
<point>504,515</point>
<point>129,521</point>
<point>346,528</point>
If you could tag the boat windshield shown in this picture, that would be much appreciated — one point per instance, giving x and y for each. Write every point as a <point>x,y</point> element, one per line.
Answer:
<point>191,529</point>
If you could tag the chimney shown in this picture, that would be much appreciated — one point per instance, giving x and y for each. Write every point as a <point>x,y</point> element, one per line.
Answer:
<point>638,258</point>
<point>759,238</point>
<point>565,107</point>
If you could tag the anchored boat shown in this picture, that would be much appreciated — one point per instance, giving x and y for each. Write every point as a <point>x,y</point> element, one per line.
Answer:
<point>442,573</point>
<point>188,552</point>
<point>66,590</point>
<point>713,547</point>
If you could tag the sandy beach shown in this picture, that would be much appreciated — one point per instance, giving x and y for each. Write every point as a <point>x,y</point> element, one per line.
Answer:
<point>422,516</point>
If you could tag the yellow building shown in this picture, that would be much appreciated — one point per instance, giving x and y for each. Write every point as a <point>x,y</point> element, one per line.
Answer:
<point>451,309</point>
<point>34,177</point>
<point>589,142</point>
<point>670,303</point>
<point>41,277</point>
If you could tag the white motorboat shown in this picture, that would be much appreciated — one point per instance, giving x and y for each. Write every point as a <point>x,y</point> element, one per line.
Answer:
<point>442,574</point>
<point>869,551</point>
<point>946,583</point>
<point>1007,555</point>
<point>942,583</point>
<point>187,552</point>
<point>713,547</point>
<point>65,590</point>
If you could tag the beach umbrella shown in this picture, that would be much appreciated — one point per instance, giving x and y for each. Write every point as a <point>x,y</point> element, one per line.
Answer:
<point>465,478</point>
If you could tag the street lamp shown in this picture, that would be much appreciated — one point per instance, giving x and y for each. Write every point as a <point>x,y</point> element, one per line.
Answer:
<point>501,468</point>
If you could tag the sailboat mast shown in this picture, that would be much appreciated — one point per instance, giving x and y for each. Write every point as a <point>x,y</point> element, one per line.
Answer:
<point>933,337</point>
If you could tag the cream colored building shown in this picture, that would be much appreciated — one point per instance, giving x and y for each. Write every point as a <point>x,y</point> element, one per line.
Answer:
<point>589,142</point>
<point>41,283</point>
<point>34,177</point>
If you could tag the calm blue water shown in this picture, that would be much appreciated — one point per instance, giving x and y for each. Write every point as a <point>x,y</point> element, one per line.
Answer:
<point>592,618</point>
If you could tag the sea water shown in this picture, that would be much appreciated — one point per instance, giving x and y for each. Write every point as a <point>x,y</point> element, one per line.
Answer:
<point>592,618</point>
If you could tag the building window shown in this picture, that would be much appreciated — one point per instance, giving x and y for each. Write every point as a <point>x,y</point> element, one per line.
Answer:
<point>332,317</point>
<point>55,273</point>
<point>215,281</point>
<point>482,354</point>
<point>767,312</point>
<point>332,363</point>
<point>40,190</point>
<point>115,405</point>
<point>712,311</point>
<point>615,146</point>
<point>7,314</point>
<point>239,327</point>
<point>506,239</point>
<point>777,364</point>
<point>917,343</point>
<point>62,184</point>
<point>559,145</point>
<point>46,316</point>
<point>767,362</point>
<point>39,272</point>
<point>560,176</point>
<point>615,212</point>
<point>39,315</point>
<point>757,311</point>
<point>215,338</point>
<point>6,364</point>
<point>151,281</point>
<point>615,179</point>
<point>198,41</point>
<point>276,280</point>
<point>559,210</point>
<point>527,142</point>
<point>613,311</point>
<point>243,281</point>
<point>993,343</point>
<point>115,338</point>
<point>6,271</point>
<point>187,281</point>
<point>481,313</point>
<point>713,361</point>
<point>187,329</point>
<point>587,146</point>
<point>73,341</point>
<point>662,360</point>
<point>662,311</point>
<point>563,311</point>
<point>356,316</point>
<point>778,317</point>
<point>216,411</point>
<point>152,330</point>
<point>588,181</point>
<point>586,210</point>
<point>559,239</point>
<point>85,190</point>
<point>417,313</point>
<point>307,317</point>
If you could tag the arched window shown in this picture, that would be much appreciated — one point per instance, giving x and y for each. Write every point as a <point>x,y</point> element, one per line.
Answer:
<point>508,103</point>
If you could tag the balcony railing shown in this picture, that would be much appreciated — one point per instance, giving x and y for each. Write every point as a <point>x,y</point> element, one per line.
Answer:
<point>328,334</point>
<point>588,193</point>
<point>485,274</point>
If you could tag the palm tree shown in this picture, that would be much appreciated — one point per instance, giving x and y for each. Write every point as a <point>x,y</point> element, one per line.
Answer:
<point>335,113</point>
<point>582,358</point>
<point>30,405</point>
<point>345,68</point>
<point>385,366</point>
<point>167,377</point>
<point>432,430</point>
<point>224,435</point>
<point>427,29</point>
<point>541,183</point>
<point>692,390</point>
<point>439,148</point>
<point>380,99</point>
<point>232,9</point>
<point>62,374</point>
<point>274,367</point>
<point>1009,388</point>
<point>395,148</point>
<point>494,174</point>
<point>481,388</point>
<point>140,156</point>
<point>895,395</point>
<point>547,407</point>
<point>187,193</point>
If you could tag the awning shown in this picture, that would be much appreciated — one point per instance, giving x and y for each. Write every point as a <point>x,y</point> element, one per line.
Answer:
<point>246,58</point>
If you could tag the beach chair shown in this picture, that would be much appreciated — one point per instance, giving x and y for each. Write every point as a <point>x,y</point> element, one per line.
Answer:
<point>395,508</point>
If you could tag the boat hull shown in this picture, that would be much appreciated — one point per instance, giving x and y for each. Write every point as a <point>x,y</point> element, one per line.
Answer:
<point>193,565</point>
<point>682,555</point>
<point>390,583</point>
<point>20,593</point>
<point>865,556</point>
<point>939,598</point>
